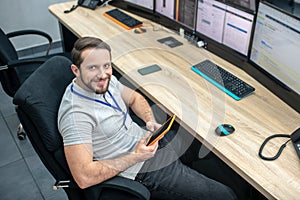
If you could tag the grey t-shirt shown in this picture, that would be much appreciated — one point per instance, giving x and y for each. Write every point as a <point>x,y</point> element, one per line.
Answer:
<point>83,119</point>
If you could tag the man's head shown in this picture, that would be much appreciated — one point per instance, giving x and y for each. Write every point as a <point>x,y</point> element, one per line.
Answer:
<point>92,64</point>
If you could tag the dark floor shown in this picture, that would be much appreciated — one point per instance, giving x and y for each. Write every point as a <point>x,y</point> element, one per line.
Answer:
<point>22,174</point>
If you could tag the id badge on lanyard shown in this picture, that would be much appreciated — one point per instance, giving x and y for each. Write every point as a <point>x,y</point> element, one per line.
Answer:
<point>126,122</point>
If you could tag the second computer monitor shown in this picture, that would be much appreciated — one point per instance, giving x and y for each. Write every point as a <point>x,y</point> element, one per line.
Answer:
<point>165,7</point>
<point>237,29</point>
<point>225,24</point>
<point>185,12</point>
<point>182,12</point>
<point>210,19</point>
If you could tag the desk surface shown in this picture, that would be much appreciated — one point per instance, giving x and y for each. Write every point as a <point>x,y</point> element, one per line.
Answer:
<point>200,106</point>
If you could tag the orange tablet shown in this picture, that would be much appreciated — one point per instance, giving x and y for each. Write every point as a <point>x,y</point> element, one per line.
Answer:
<point>159,133</point>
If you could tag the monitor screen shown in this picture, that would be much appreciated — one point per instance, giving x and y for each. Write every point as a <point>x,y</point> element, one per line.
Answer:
<point>210,19</point>
<point>148,4</point>
<point>165,7</point>
<point>237,29</point>
<point>225,24</point>
<point>185,12</point>
<point>276,45</point>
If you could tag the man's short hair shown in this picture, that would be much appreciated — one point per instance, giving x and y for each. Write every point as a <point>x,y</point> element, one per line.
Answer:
<point>87,43</point>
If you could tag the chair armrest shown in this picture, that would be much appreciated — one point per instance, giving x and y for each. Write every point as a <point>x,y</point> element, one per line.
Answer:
<point>32,32</point>
<point>128,185</point>
<point>22,63</point>
<point>120,183</point>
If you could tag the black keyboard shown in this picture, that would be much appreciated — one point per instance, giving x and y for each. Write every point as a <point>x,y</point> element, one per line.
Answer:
<point>123,19</point>
<point>223,79</point>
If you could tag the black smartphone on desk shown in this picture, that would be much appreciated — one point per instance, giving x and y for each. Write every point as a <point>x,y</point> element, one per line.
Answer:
<point>149,69</point>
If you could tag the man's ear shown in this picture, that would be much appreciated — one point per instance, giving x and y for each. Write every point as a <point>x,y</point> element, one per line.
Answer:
<point>75,69</point>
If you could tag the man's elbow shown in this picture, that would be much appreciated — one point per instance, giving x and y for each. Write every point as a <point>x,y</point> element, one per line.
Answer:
<point>84,182</point>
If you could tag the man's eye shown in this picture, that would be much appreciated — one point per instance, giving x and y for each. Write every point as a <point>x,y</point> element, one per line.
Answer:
<point>93,67</point>
<point>106,66</point>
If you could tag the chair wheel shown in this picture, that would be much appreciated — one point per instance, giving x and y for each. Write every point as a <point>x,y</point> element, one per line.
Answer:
<point>21,133</point>
<point>22,136</point>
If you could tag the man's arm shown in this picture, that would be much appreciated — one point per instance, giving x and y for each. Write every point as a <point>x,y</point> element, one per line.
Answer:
<point>140,107</point>
<point>87,172</point>
<point>138,104</point>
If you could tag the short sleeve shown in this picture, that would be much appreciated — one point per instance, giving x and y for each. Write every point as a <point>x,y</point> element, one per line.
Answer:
<point>117,84</point>
<point>76,128</point>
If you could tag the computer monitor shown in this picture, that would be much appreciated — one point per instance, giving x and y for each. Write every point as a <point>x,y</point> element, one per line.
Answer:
<point>210,19</point>
<point>165,7</point>
<point>225,24</point>
<point>237,29</point>
<point>185,13</point>
<point>276,45</point>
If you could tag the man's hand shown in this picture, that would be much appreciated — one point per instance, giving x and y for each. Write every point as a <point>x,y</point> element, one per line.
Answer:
<point>152,126</point>
<point>143,152</point>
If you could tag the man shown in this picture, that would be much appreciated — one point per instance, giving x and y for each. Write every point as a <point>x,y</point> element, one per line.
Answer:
<point>101,140</point>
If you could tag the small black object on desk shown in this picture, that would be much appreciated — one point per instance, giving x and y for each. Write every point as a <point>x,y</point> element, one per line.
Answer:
<point>224,129</point>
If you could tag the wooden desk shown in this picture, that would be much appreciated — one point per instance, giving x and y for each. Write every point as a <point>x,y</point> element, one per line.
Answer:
<point>200,106</point>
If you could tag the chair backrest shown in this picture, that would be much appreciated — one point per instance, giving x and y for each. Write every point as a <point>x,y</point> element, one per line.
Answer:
<point>37,102</point>
<point>8,77</point>
<point>7,50</point>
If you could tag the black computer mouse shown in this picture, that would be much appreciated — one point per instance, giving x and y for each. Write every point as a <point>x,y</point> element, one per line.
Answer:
<point>139,30</point>
<point>224,129</point>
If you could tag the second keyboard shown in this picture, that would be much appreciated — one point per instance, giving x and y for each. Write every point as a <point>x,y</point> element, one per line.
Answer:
<point>223,79</point>
<point>123,19</point>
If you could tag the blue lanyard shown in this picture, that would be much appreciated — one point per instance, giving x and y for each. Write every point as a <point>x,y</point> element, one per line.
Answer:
<point>117,107</point>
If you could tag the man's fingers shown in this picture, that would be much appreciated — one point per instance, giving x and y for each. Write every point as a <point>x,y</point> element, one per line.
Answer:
<point>145,137</point>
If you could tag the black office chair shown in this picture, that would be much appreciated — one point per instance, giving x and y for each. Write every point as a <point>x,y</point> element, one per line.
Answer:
<point>37,102</point>
<point>14,71</point>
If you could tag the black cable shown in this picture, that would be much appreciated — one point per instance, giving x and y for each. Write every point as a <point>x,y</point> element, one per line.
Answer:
<point>72,8</point>
<point>280,149</point>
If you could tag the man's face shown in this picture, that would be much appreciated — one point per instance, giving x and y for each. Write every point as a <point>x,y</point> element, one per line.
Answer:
<point>95,71</point>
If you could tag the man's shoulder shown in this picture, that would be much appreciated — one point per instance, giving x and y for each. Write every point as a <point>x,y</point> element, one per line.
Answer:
<point>66,101</point>
<point>66,94</point>
<point>114,80</point>
<point>115,84</point>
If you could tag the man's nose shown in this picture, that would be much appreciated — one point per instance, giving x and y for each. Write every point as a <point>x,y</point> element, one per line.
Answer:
<point>101,72</point>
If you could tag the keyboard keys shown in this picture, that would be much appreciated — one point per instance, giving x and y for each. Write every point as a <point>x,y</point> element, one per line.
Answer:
<point>223,79</point>
<point>123,19</point>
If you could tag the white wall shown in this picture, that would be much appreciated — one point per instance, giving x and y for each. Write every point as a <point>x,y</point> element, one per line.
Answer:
<point>29,14</point>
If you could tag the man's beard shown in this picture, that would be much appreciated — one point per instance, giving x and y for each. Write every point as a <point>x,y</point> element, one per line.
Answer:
<point>97,90</point>
<point>103,90</point>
